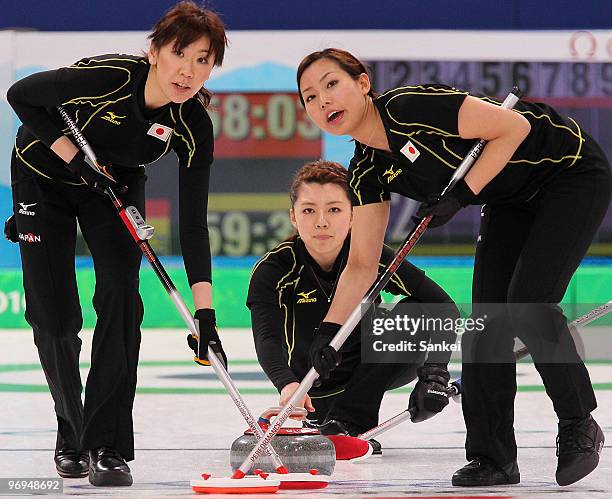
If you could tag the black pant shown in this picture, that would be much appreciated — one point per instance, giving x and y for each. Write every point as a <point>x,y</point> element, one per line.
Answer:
<point>527,254</point>
<point>47,244</point>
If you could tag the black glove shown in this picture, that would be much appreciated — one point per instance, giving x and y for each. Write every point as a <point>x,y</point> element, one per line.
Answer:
<point>207,327</point>
<point>95,176</point>
<point>443,209</point>
<point>10,229</point>
<point>324,358</point>
<point>429,396</point>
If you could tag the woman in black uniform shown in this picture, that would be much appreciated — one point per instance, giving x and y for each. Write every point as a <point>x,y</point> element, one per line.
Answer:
<point>290,292</point>
<point>545,185</point>
<point>133,110</point>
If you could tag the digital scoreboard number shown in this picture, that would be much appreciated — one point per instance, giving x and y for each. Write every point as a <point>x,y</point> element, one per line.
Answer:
<point>262,125</point>
<point>496,78</point>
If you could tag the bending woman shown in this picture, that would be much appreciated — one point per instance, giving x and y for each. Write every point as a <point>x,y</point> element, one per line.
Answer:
<point>133,110</point>
<point>545,185</point>
<point>290,292</point>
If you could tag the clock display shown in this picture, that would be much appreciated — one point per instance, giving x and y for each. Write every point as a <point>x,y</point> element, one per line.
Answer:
<point>260,125</point>
<point>239,233</point>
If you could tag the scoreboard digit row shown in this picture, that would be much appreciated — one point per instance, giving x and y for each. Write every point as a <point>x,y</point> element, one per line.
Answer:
<point>535,79</point>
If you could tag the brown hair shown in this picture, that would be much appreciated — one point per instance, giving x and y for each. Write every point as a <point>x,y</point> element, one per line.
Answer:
<point>347,62</point>
<point>317,172</point>
<point>185,23</point>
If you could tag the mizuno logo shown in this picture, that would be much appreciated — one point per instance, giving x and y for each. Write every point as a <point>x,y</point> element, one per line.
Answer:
<point>112,118</point>
<point>392,174</point>
<point>305,297</point>
<point>24,209</point>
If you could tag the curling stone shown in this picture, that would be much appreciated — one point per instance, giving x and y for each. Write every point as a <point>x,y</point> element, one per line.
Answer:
<point>300,449</point>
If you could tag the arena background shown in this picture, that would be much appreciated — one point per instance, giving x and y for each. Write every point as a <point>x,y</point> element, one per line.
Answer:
<point>557,52</point>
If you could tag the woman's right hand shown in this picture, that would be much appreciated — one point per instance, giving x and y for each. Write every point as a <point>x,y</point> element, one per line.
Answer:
<point>287,392</point>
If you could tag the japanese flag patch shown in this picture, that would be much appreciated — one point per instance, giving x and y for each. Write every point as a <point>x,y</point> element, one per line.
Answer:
<point>410,151</point>
<point>160,132</point>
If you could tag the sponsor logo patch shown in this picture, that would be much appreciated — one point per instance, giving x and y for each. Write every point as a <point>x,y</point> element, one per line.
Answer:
<point>160,132</point>
<point>410,151</point>
<point>29,238</point>
<point>24,209</point>
<point>392,174</point>
<point>437,392</point>
<point>112,118</point>
<point>305,297</point>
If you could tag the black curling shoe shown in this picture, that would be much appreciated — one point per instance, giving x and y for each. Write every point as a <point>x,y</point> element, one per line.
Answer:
<point>376,447</point>
<point>484,472</point>
<point>108,469</point>
<point>579,444</point>
<point>71,463</point>
<point>336,427</point>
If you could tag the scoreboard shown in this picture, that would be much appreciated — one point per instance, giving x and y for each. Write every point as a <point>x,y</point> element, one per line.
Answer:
<point>495,78</point>
<point>262,138</point>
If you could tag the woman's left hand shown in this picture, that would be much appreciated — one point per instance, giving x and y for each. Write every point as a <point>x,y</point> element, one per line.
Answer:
<point>209,337</point>
<point>286,393</point>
